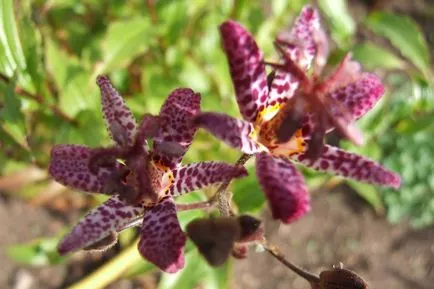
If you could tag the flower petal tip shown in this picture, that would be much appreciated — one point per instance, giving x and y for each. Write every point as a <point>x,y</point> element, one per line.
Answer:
<point>67,245</point>
<point>395,181</point>
<point>101,79</point>
<point>290,214</point>
<point>176,266</point>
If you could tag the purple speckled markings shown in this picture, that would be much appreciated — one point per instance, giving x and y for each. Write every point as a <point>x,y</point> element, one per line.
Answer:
<point>70,166</point>
<point>120,120</point>
<point>111,216</point>
<point>349,165</point>
<point>197,175</point>
<point>345,96</point>
<point>235,132</point>
<point>162,240</point>
<point>246,67</point>
<point>143,186</point>
<point>302,35</point>
<point>359,96</point>
<point>177,114</point>
<point>284,187</point>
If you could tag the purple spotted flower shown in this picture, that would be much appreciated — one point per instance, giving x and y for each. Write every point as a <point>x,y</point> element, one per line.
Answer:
<point>267,106</point>
<point>142,182</point>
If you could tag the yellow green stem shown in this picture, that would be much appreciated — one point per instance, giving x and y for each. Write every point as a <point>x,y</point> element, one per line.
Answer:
<point>110,271</point>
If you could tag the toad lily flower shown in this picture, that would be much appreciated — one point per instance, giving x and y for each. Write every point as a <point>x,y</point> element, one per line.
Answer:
<point>264,104</point>
<point>141,182</point>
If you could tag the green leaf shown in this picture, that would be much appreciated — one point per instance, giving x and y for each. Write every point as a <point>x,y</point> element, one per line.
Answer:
<point>12,57</point>
<point>124,41</point>
<point>342,24</point>
<point>193,76</point>
<point>12,119</point>
<point>247,193</point>
<point>41,252</point>
<point>75,93</point>
<point>9,36</point>
<point>369,193</point>
<point>373,56</point>
<point>405,35</point>
<point>218,278</point>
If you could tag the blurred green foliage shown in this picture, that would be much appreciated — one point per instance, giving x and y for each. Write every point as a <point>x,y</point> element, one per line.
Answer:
<point>51,52</point>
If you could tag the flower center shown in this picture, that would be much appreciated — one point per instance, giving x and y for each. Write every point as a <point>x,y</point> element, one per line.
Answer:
<point>161,179</point>
<point>267,134</point>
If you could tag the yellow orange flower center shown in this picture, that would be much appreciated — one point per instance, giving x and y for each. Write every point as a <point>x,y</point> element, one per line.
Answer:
<point>266,124</point>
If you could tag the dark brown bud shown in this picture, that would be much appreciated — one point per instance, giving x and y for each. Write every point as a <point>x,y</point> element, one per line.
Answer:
<point>249,226</point>
<point>341,279</point>
<point>214,238</point>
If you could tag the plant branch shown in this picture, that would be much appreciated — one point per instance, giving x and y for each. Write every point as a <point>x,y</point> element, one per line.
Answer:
<point>39,99</point>
<point>221,197</point>
<point>275,252</point>
<point>194,206</point>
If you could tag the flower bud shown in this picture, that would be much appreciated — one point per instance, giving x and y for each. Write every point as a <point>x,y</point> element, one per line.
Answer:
<point>341,279</point>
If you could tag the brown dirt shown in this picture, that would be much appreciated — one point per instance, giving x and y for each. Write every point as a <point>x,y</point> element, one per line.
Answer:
<point>341,227</point>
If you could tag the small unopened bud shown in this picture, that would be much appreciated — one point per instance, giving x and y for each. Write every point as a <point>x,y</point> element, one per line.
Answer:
<point>250,229</point>
<point>341,279</point>
<point>214,238</point>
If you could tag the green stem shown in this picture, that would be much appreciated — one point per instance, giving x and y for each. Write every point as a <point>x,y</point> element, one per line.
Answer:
<point>110,271</point>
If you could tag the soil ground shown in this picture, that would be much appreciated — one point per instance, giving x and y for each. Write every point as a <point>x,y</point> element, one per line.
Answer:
<point>340,227</point>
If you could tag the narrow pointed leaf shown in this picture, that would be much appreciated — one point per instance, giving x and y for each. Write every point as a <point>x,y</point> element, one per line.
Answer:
<point>404,34</point>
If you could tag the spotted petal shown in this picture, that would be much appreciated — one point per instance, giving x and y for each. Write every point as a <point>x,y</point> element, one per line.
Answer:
<point>199,175</point>
<point>176,124</point>
<point>110,217</point>
<point>236,133</point>
<point>120,120</point>
<point>283,186</point>
<point>302,37</point>
<point>246,67</point>
<point>349,165</point>
<point>69,166</point>
<point>161,238</point>
<point>360,95</point>
<point>282,89</point>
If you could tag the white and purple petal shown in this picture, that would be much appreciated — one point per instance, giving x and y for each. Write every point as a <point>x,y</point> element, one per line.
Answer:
<point>359,96</point>
<point>283,186</point>
<point>303,37</point>
<point>246,67</point>
<point>282,88</point>
<point>161,238</point>
<point>353,166</point>
<point>120,120</point>
<point>236,133</point>
<point>111,217</point>
<point>69,165</point>
<point>176,124</point>
<point>199,175</point>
